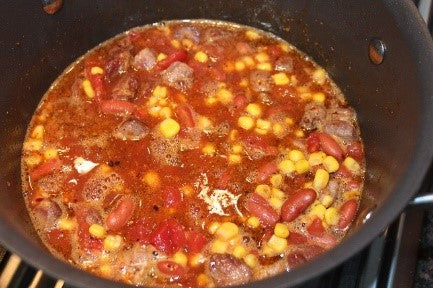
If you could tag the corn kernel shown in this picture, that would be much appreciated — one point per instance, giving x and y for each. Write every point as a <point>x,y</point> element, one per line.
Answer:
<point>330,164</point>
<point>244,82</point>
<point>321,179</point>
<point>239,251</point>
<point>285,47</point>
<point>88,89</point>
<point>152,179</point>
<point>188,44</point>
<point>203,280</point>
<point>169,127</point>
<point>251,260</point>
<point>233,135</point>
<point>263,124</point>
<point>96,70</point>
<point>227,230</point>
<point>32,145</point>
<point>209,101</point>
<point>248,61</point>
<point>204,123</point>
<point>281,230</point>
<point>213,227</point>
<point>180,258</point>
<point>263,190</point>
<point>196,260</point>
<point>33,160</point>
<point>332,216</point>
<point>160,92</point>
<point>106,270</point>
<point>296,155</point>
<point>286,166</point>
<point>234,159</point>
<point>281,79</point>
<point>319,76</point>
<point>277,244</point>
<point>38,132</point>
<point>253,222</point>
<point>66,224</point>
<point>219,246</point>
<point>262,57</point>
<point>161,56</point>
<point>246,122</point>
<point>113,243</point>
<point>261,131</point>
<point>351,195</point>
<point>302,166</point>
<point>276,180</point>
<point>237,148</point>
<point>252,35</point>
<point>278,130</point>
<point>235,240</point>
<point>187,190</point>
<point>352,165</point>
<point>239,66</point>
<point>299,133</point>
<point>97,231</point>
<point>308,185</point>
<point>50,153</point>
<point>316,158</point>
<point>277,193</point>
<point>264,66</point>
<point>209,149</point>
<point>165,112</point>
<point>268,251</point>
<point>319,211</point>
<point>200,56</point>
<point>224,96</point>
<point>254,109</point>
<point>319,97</point>
<point>327,201</point>
<point>175,43</point>
<point>289,121</point>
<point>276,203</point>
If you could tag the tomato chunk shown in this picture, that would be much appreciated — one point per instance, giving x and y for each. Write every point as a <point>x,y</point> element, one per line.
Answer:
<point>195,241</point>
<point>168,237</point>
<point>179,55</point>
<point>45,169</point>
<point>172,197</point>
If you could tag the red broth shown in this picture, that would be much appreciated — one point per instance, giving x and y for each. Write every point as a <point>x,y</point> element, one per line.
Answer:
<point>192,153</point>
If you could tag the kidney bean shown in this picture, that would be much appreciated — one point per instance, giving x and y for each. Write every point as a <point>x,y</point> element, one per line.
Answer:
<point>316,227</point>
<point>185,115</point>
<point>303,254</point>
<point>355,150</point>
<point>330,146</point>
<point>45,169</point>
<point>326,240</point>
<point>121,215</point>
<point>259,207</point>
<point>296,238</point>
<point>347,213</point>
<point>297,203</point>
<point>117,107</point>
<point>265,171</point>
<point>179,55</point>
<point>343,172</point>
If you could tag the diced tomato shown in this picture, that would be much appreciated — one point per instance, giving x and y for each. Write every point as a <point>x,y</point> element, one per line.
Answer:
<point>179,55</point>
<point>117,107</point>
<point>313,143</point>
<point>195,241</point>
<point>45,168</point>
<point>60,240</point>
<point>140,231</point>
<point>296,238</point>
<point>171,268</point>
<point>185,115</point>
<point>141,114</point>
<point>316,227</point>
<point>168,236</point>
<point>240,101</point>
<point>172,197</point>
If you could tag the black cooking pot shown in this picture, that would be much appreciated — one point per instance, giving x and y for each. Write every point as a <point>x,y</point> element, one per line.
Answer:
<point>393,99</point>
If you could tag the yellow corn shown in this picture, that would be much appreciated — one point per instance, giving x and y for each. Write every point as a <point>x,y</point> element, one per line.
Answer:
<point>332,216</point>
<point>248,61</point>
<point>165,112</point>
<point>209,149</point>
<point>321,179</point>
<point>113,243</point>
<point>106,269</point>
<point>32,145</point>
<point>237,148</point>
<point>239,251</point>
<point>263,190</point>
<point>331,164</point>
<point>277,193</point>
<point>316,158</point>
<point>152,179</point>
<point>244,82</point>
<point>263,124</point>
<point>235,240</point>
<point>234,159</point>
<point>254,109</point>
<point>212,228</point>
<point>246,122</point>
<point>204,123</point>
<point>239,66</point>
<point>253,222</point>
<point>285,47</point>
<point>38,132</point>
<point>278,130</point>
<point>280,79</point>
<point>50,153</point>
<point>289,121</point>
<point>251,260</point>
<point>266,66</point>
<point>277,244</point>
<point>175,43</point>
<point>200,56</point>
<point>233,135</point>
<point>299,133</point>
<point>308,185</point>
<point>224,96</point>
<point>319,76</point>
<point>276,180</point>
<point>160,92</point>
<point>261,131</point>
<point>318,210</point>
<point>196,260</point>
<point>33,159</point>
<point>286,166</point>
<point>180,258</point>
<point>66,224</point>
<point>88,89</point>
<point>187,190</point>
<point>319,97</point>
<point>296,155</point>
<point>227,230</point>
<point>96,70</point>
<point>97,231</point>
<point>351,195</point>
<point>352,165</point>
<point>169,127</point>
<point>219,246</point>
<point>262,57</point>
<point>209,101</point>
<point>203,280</point>
<point>302,166</point>
<point>252,35</point>
<point>161,56</point>
<point>281,230</point>
<point>327,200</point>
<point>276,203</point>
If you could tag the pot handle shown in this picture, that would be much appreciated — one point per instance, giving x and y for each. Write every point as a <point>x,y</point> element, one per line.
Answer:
<point>424,8</point>
<point>422,200</point>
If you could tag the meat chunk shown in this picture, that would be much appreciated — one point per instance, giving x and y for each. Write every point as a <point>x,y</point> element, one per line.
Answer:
<point>125,88</point>
<point>213,35</point>
<point>342,129</point>
<point>284,63</point>
<point>226,270</point>
<point>145,59</point>
<point>119,63</point>
<point>260,81</point>
<point>187,32</point>
<point>314,116</point>
<point>179,75</point>
<point>132,130</point>
<point>47,213</point>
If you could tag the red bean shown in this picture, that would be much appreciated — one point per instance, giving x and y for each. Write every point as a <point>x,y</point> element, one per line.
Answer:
<point>45,169</point>
<point>316,227</point>
<point>121,215</point>
<point>355,150</point>
<point>265,171</point>
<point>185,115</point>
<point>259,207</point>
<point>330,146</point>
<point>297,203</point>
<point>347,213</point>
<point>117,107</point>
<point>179,55</point>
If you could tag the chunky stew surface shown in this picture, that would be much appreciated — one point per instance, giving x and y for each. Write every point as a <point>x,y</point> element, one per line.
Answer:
<point>194,154</point>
